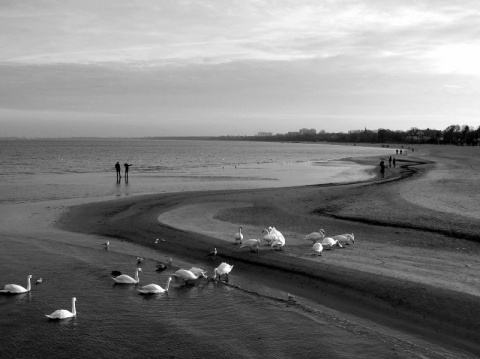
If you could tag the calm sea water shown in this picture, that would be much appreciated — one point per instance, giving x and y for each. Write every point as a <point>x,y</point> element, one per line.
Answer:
<point>205,320</point>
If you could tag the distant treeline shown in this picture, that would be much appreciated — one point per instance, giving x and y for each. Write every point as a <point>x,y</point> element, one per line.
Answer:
<point>454,135</point>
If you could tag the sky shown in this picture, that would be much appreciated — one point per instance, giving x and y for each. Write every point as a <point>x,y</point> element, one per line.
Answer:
<point>134,68</point>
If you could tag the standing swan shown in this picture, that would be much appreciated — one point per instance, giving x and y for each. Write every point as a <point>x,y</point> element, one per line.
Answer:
<point>17,289</point>
<point>126,279</point>
<point>155,288</point>
<point>238,235</point>
<point>62,313</point>
<point>222,269</point>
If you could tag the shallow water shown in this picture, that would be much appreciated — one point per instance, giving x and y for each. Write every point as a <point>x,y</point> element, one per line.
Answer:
<point>207,320</point>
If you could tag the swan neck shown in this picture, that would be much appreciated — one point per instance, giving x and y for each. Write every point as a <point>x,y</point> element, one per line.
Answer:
<point>74,311</point>
<point>136,275</point>
<point>29,285</point>
<point>168,283</point>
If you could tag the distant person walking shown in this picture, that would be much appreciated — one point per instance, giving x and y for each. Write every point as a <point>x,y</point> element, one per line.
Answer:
<point>393,162</point>
<point>117,169</point>
<point>390,161</point>
<point>382,169</point>
<point>126,171</point>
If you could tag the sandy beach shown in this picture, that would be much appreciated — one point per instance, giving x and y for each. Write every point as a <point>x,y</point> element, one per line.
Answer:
<point>414,264</point>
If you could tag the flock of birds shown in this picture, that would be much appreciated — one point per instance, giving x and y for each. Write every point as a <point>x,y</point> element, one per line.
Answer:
<point>272,237</point>
<point>275,239</point>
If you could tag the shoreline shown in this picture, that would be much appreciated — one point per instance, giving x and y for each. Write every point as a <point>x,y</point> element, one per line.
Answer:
<point>366,287</point>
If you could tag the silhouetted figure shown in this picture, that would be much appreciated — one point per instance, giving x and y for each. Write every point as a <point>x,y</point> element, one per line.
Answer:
<point>390,161</point>
<point>393,162</point>
<point>397,152</point>
<point>117,168</point>
<point>382,169</point>
<point>126,171</point>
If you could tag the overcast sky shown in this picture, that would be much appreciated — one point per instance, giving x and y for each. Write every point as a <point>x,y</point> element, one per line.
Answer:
<point>236,67</point>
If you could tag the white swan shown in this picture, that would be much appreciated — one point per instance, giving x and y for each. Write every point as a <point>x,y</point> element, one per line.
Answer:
<point>155,288</point>
<point>222,269</point>
<point>346,238</point>
<point>329,242</point>
<point>251,243</point>
<point>315,236</point>
<point>269,237</point>
<point>126,279</point>
<point>238,236</point>
<point>279,241</point>
<point>17,289</point>
<point>317,247</point>
<point>62,313</point>
<point>188,275</point>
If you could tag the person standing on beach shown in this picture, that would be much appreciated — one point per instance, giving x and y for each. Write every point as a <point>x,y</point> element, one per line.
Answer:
<point>126,171</point>
<point>382,169</point>
<point>117,168</point>
<point>393,162</point>
<point>390,161</point>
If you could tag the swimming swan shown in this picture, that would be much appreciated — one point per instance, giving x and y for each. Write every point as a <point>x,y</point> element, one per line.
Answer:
<point>238,236</point>
<point>126,279</point>
<point>251,243</point>
<point>155,288</point>
<point>315,236</point>
<point>222,269</point>
<point>192,274</point>
<point>62,313</point>
<point>17,289</point>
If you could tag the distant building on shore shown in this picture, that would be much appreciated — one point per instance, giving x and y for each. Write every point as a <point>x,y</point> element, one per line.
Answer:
<point>265,134</point>
<point>307,131</point>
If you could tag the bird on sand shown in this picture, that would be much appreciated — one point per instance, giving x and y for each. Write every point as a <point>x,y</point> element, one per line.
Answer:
<point>140,260</point>
<point>238,236</point>
<point>316,236</point>
<point>212,254</point>
<point>252,244</point>
<point>317,247</point>
<point>106,244</point>
<point>223,269</point>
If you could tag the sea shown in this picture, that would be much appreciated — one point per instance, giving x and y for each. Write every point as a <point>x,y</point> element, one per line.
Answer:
<point>41,178</point>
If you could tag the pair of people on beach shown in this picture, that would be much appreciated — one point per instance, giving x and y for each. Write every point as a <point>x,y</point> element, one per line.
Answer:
<point>119,175</point>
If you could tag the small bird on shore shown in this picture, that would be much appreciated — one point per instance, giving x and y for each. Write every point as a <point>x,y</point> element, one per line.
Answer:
<point>106,244</point>
<point>140,260</point>
<point>238,236</point>
<point>157,240</point>
<point>291,298</point>
<point>212,254</point>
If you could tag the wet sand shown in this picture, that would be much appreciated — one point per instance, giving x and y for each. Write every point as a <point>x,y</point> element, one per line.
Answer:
<point>414,265</point>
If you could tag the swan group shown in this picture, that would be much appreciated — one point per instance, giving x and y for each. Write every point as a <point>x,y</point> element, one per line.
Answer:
<point>17,289</point>
<point>63,313</point>
<point>126,279</point>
